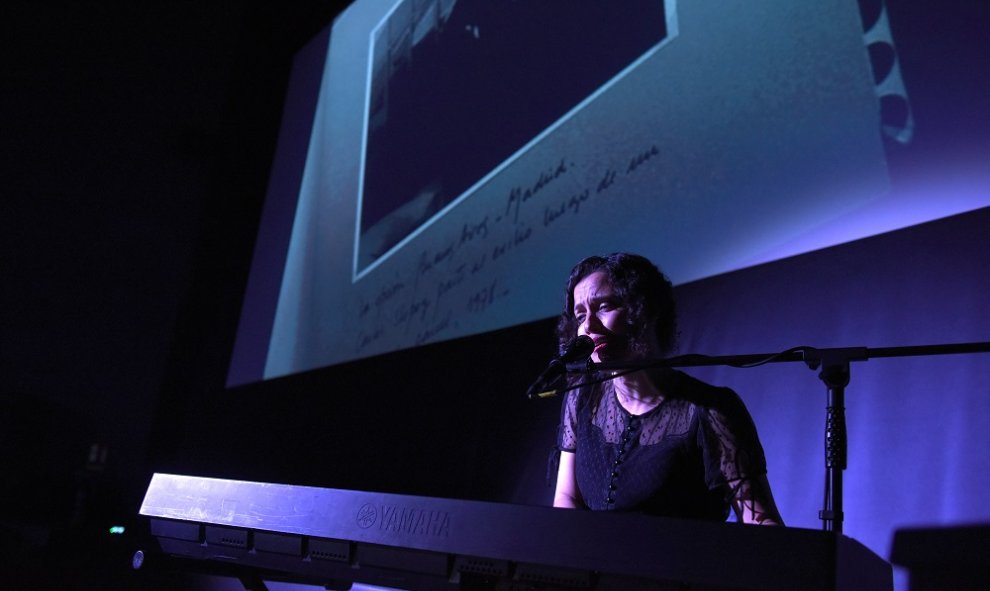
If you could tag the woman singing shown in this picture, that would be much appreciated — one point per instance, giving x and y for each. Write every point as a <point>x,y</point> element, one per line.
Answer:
<point>655,441</point>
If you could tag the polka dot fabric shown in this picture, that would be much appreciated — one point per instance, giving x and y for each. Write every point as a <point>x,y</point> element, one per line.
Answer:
<point>683,458</point>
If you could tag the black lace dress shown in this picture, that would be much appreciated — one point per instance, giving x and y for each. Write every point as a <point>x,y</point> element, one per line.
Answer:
<point>685,458</point>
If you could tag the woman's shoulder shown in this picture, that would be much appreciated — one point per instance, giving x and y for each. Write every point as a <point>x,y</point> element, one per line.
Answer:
<point>585,394</point>
<point>696,392</point>
<point>579,394</point>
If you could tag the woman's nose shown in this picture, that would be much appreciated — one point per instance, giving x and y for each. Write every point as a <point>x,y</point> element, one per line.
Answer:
<point>590,325</point>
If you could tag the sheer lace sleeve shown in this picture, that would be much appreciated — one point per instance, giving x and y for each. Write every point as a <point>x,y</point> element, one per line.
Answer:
<point>567,431</point>
<point>730,443</point>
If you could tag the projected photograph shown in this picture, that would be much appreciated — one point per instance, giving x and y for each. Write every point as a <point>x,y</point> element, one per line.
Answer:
<point>460,156</point>
<point>448,101</point>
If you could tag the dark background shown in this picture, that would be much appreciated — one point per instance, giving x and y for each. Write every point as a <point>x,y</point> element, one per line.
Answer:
<point>136,142</point>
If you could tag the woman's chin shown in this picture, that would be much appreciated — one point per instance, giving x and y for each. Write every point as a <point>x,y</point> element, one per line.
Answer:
<point>604,355</point>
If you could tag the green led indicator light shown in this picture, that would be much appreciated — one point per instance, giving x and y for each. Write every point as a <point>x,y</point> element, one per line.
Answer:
<point>117,530</point>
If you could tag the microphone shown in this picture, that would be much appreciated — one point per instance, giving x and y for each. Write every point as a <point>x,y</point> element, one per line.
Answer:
<point>579,349</point>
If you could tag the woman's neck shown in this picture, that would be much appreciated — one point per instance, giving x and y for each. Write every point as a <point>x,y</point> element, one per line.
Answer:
<point>637,392</point>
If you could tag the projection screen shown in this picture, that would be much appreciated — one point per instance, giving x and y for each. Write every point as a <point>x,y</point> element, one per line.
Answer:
<point>455,160</point>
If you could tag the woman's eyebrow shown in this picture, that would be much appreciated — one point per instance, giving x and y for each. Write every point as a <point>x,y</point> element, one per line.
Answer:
<point>598,299</point>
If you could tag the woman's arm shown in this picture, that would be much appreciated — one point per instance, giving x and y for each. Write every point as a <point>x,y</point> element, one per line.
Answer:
<point>753,502</point>
<point>566,494</point>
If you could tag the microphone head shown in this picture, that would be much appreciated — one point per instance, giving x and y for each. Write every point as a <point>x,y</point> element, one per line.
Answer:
<point>579,349</point>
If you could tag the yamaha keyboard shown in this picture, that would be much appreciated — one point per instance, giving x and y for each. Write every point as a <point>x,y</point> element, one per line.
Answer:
<point>334,537</point>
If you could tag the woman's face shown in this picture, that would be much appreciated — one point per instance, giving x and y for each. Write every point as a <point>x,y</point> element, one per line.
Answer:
<point>602,316</point>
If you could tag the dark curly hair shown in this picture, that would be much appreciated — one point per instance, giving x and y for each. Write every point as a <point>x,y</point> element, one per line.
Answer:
<point>645,291</point>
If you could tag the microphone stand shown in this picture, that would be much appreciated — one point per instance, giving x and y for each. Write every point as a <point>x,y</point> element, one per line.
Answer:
<point>834,373</point>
